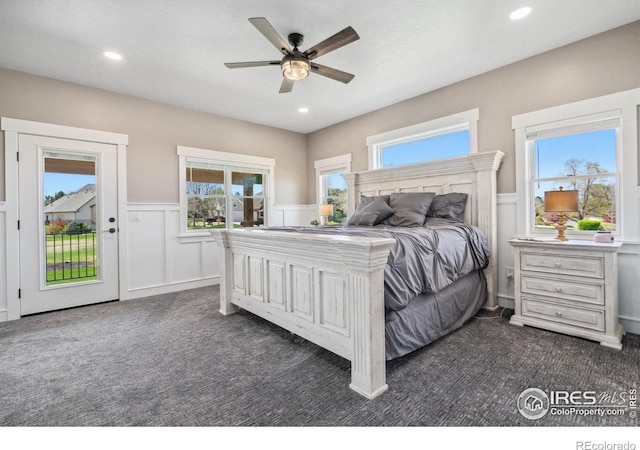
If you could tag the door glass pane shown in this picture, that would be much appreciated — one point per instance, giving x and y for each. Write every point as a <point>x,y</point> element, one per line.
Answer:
<point>70,213</point>
<point>248,199</point>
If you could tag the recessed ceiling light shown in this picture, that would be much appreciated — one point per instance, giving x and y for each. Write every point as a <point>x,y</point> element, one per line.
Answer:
<point>303,110</point>
<point>112,55</point>
<point>520,13</point>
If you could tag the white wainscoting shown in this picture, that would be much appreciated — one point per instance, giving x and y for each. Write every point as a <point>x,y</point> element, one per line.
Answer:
<point>628,266</point>
<point>506,230</point>
<point>4,316</point>
<point>293,215</point>
<point>159,260</point>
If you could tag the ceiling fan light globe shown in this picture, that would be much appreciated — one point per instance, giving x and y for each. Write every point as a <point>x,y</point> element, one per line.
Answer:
<point>295,69</point>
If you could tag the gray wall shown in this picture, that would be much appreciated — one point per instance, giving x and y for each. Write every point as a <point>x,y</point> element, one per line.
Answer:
<point>603,64</point>
<point>154,130</point>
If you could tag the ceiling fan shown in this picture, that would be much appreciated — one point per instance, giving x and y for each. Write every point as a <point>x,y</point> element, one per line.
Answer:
<point>296,65</point>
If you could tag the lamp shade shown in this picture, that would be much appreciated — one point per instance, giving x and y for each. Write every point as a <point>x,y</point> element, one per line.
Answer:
<point>326,210</point>
<point>561,201</point>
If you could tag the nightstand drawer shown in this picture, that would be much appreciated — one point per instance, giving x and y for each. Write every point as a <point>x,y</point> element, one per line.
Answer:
<point>562,264</point>
<point>570,290</point>
<point>585,318</point>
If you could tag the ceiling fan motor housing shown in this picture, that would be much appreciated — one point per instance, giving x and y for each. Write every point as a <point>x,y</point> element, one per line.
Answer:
<point>295,39</point>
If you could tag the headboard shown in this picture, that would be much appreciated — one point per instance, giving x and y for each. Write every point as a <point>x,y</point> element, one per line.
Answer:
<point>474,175</point>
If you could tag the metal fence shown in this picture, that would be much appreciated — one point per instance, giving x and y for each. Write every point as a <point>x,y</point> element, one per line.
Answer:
<point>71,257</point>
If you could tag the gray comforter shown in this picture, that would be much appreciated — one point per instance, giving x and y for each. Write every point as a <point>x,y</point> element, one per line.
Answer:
<point>424,259</point>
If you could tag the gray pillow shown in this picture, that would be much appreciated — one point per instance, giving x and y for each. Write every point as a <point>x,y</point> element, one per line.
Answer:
<point>364,201</point>
<point>366,219</point>
<point>410,208</point>
<point>449,206</point>
<point>379,206</point>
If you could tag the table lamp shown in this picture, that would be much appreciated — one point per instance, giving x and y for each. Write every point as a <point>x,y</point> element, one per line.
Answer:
<point>561,201</point>
<point>325,211</point>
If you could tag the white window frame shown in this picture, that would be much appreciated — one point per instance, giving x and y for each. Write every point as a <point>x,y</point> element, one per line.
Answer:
<point>327,166</point>
<point>226,161</point>
<point>620,106</point>
<point>463,121</point>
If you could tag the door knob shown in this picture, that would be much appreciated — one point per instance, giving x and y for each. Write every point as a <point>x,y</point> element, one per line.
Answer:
<point>112,230</point>
<point>112,219</point>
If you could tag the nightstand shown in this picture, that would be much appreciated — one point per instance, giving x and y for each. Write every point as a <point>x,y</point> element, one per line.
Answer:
<point>570,287</point>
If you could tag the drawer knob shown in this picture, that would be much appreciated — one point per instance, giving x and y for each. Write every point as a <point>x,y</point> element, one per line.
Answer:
<point>558,313</point>
<point>558,265</point>
<point>558,289</point>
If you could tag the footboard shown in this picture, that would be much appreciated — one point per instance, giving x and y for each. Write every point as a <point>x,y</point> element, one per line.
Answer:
<point>326,289</point>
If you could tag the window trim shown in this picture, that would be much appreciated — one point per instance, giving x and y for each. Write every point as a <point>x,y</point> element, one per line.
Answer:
<point>340,163</point>
<point>226,161</point>
<point>623,105</point>
<point>466,120</point>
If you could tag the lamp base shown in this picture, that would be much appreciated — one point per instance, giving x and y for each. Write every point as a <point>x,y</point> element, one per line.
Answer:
<point>561,228</point>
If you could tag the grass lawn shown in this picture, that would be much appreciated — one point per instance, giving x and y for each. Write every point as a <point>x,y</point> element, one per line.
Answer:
<point>71,258</point>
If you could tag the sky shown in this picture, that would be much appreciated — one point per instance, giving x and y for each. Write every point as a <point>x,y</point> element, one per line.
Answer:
<point>594,146</point>
<point>438,147</point>
<point>67,183</point>
<point>336,180</point>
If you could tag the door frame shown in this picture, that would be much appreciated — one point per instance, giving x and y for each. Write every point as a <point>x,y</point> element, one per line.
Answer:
<point>13,128</point>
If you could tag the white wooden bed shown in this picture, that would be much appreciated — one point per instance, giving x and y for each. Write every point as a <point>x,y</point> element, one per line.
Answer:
<point>330,289</point>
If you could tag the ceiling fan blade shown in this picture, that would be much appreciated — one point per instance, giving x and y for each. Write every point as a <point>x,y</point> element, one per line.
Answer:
<point>270,33</point>
<point>332,73</point>
<point>286,86</point>
<point>340,39</point>
<point>239,65</point>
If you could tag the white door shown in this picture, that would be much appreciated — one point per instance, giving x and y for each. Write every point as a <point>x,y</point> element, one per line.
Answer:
<point>68,243</point>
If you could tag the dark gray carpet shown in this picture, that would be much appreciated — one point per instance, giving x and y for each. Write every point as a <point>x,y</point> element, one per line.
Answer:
<point>172,360</point>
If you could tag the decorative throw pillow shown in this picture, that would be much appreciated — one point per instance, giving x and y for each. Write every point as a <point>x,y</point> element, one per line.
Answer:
<point>380,207</point>
<point>449,206</point>
<point>364,201</point>
<point>363,219</point>
<point>410,208</point>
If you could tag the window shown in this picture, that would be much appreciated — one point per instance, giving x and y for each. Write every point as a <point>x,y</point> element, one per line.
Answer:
<point>223,190</point>
<point>331,186</point>
<point>585,162</point>
<point>446,137</point>
<point>588,146</point>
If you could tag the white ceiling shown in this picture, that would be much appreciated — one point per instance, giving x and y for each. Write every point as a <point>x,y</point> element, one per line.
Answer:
<point>174,50</point>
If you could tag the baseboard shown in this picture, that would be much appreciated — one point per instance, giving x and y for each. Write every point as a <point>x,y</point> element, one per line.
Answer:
<point>630,324</point>
<point>506,301</point>
<point>4,315</point>
<point>148,291</point>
